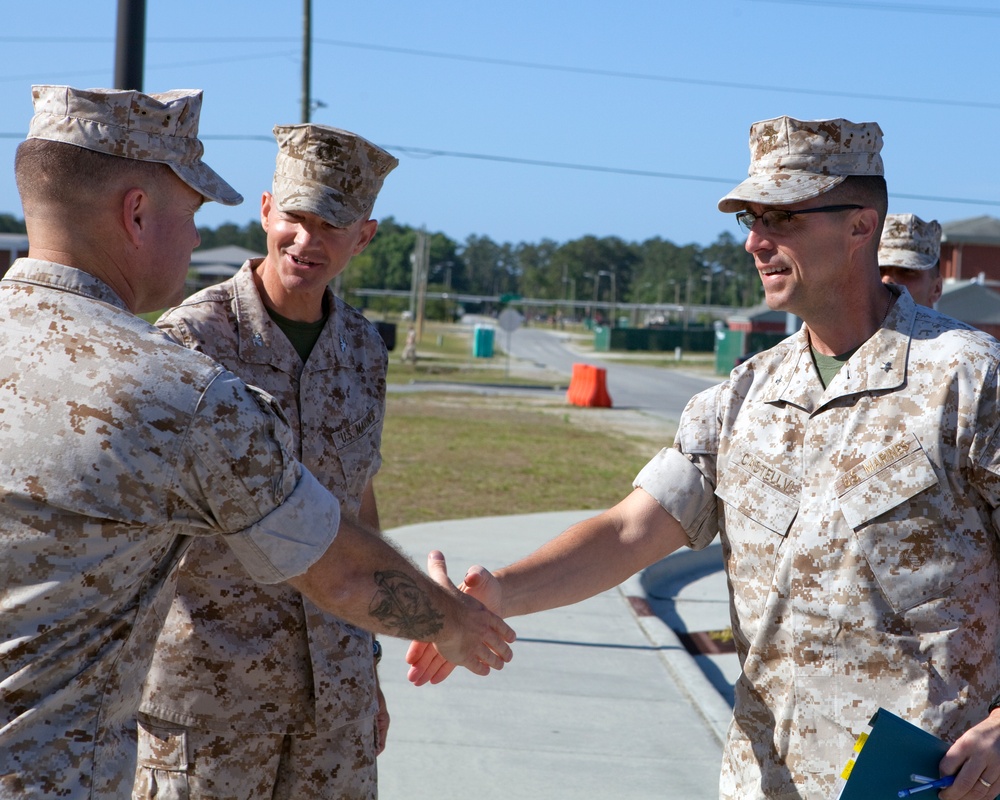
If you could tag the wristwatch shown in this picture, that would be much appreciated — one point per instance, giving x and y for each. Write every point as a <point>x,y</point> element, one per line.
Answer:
<point>994,705</point>
<point>376,650</point>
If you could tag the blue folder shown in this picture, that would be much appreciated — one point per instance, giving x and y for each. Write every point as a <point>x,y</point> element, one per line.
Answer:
<point>893,750</point>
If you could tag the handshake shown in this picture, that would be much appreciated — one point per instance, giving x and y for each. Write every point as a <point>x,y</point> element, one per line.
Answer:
<point>427,663</point>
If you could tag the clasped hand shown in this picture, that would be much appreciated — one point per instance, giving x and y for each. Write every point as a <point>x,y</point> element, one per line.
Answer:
<point>430,663</point>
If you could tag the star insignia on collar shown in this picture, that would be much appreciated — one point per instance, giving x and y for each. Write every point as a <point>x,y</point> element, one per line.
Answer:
<point>258,340</point>
<point>887,366</point>
<point>343,345</point>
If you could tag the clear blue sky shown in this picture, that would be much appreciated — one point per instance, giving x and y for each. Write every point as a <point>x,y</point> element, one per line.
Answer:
<point>647,102</point>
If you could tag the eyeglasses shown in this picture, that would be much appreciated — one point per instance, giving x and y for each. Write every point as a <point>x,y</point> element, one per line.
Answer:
<point>776,220</point>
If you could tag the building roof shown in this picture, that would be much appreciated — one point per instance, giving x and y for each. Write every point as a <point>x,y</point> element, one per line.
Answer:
<point>971,302</point>
<point>975,230</point>
<point>760,313</point>
<point>221,271</point>
<point>13,241</point>
<point>230,254</point>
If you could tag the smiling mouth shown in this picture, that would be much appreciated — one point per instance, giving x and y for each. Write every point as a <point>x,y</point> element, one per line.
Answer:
<point>304,262</point>
<point>776,270</point>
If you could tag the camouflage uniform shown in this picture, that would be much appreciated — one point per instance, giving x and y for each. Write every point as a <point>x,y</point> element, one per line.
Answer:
<point>115,442</point>
<point>237,657</point>
<point>860,540</point>
<point>909,242</point>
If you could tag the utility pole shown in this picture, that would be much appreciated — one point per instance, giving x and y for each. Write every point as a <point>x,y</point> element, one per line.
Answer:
<point>306,59</point>
<point>130,44</point>
<point>421,258</point>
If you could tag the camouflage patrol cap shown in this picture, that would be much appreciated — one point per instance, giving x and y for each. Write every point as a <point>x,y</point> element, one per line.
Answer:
<point>909,242</point>
<point>159,128</point>
<point>325,171</point>
<point>793,160</point>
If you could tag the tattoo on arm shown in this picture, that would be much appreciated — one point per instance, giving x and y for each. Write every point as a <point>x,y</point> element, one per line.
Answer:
<point>404,607</point>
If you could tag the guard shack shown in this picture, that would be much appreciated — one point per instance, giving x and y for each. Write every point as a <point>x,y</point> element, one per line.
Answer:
<point>757,329</point>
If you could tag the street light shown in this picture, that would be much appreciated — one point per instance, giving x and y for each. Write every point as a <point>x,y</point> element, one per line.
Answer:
<point>592,310</point>
<point>614,292</point>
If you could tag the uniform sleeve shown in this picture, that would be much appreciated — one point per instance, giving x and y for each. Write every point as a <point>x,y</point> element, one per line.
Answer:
<point>985,451</point>
<point>682,478</point>
<point>237,477</point>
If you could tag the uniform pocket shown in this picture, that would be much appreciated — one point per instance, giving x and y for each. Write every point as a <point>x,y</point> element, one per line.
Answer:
<point>761,505</point>
<point>765,494</point>
<point>162,746</point>
<point>899,512</point>
<point>358,442</point>
<point>162,762</point>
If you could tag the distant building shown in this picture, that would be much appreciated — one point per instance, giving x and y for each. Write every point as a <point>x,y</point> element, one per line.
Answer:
<point>970,250</point>
<point>973,303</point>
<point>759,319</point>
<point>216,265</point>
<point>12,246</point>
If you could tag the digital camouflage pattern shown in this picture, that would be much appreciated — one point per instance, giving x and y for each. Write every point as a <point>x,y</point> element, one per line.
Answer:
<point>246,659</point>
<point>218,772</point>
<point>909,242</point>
<point>162,128</point>
<point>325,171</point>
<point>859,530</point>
<point>793,160</point>
<point>116,441</point>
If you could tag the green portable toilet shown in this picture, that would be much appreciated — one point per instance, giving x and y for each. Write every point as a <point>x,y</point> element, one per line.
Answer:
<point>482,342</point>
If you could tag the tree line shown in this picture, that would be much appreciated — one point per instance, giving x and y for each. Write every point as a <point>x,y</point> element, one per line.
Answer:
<point>652,271</point>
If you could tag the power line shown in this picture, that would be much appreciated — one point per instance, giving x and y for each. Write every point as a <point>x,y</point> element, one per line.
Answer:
<point>540,66</point>
<point>427,152</point>
<point>546,67</point>
<point>909,8</point>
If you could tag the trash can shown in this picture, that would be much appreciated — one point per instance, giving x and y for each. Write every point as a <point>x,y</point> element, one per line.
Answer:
<point>482,342</point>
<point>387,330</point>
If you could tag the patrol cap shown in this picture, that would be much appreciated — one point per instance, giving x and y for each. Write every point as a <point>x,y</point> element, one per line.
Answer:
<point>159,128</point>
<point>793,160</point>
<point>909,242</point>
<point>325,171</point>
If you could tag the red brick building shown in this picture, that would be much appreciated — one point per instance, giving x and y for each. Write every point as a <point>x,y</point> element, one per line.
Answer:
<point>12,246</point>
<point>970,250</point>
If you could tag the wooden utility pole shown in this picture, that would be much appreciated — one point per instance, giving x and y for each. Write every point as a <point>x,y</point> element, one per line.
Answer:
<point>421,262</point>
<point>130,44</point>
<point>306,59</point>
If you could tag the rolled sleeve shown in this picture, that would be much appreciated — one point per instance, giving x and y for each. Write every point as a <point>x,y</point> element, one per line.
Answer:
<point>291,538</point>
<point>682,490</point>
<point>681,478</point>
<point>239,478</point>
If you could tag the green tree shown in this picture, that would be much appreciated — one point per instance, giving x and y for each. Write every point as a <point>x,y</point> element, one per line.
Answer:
<point>734,275</point>
<point>250,235</point>
<point>538,277</point>
<point>11,224</point>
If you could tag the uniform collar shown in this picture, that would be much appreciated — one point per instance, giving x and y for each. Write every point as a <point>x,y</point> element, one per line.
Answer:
<point>63,278</point>
<point>879,365</point>
<point>261,341</point>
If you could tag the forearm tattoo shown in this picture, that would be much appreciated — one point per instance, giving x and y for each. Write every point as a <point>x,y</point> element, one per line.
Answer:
<point>404,607</point>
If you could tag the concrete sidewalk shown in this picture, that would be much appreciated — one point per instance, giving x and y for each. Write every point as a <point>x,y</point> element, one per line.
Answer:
<point>600,701</point>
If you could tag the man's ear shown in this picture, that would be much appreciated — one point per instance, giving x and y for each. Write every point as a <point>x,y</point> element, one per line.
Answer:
<point>865,223</point>
<point>134,214</point>
<point>936,290</point>
<point>265,209</point>
<point>368,231</point>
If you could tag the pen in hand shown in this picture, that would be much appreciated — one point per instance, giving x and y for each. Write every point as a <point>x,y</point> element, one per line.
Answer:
<point>940,783</point>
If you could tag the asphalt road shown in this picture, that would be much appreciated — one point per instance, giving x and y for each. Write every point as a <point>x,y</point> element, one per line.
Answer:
<point>653,390</point>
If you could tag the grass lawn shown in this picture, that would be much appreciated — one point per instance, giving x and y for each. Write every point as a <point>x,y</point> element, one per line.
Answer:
<point>448,456</point>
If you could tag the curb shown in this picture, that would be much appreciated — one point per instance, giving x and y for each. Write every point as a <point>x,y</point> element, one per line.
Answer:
<point>681,666</point>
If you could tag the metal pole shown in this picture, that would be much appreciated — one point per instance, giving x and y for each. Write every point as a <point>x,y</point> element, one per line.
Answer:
<point>306,59</point>
<point>130,44</point>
